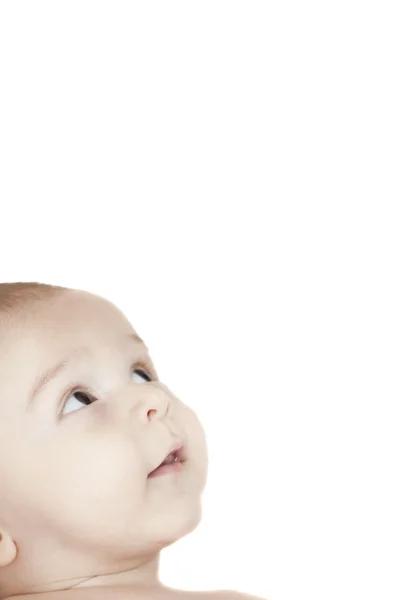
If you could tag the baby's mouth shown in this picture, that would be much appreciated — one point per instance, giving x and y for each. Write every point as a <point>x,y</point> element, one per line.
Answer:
<point>174,457</point>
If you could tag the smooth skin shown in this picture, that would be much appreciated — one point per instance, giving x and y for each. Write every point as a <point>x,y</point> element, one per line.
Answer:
<point>79,518</point>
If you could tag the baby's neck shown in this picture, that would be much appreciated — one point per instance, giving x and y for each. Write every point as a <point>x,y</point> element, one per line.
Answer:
<point>127,592</point>
<point>144,575</point>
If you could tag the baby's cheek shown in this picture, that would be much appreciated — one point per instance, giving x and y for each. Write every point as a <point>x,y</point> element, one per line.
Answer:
<point>93,451</point>
<point>100,463</point>
<point>96,481</point>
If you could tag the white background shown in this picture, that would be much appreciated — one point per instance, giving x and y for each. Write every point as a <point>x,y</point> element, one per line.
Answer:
<point>228,174</point>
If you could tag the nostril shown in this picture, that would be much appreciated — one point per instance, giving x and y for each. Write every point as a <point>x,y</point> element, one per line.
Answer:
<point>149,413</point>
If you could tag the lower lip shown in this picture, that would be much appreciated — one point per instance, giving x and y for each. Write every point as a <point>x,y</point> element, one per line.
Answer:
<point>175,467</point>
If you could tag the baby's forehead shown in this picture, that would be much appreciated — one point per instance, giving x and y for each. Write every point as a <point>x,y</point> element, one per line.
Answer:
<point>76,314</point>
<point>61,327</point>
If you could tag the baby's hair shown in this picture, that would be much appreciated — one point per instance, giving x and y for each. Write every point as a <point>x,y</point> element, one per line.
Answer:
<point>15,297</point>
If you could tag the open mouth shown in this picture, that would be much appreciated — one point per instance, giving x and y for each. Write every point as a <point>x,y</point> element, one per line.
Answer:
<point>172,463</point>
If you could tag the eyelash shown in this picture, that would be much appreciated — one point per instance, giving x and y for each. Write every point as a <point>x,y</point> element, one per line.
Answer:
<point>144,366</point>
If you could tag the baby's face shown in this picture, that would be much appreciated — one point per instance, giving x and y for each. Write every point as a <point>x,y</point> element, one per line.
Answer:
<point>75,493</point>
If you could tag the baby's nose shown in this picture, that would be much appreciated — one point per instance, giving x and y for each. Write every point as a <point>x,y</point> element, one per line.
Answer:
<point>149,404</point>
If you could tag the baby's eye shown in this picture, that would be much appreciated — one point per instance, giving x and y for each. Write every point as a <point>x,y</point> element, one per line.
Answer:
<point>143,374</point>
<point>79,397</point>
<point>86,399</point>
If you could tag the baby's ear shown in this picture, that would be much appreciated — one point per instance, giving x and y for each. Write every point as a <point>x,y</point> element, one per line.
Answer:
<point>8,549</point>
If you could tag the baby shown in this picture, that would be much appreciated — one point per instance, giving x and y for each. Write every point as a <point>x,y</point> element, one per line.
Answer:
<point>101,466</point>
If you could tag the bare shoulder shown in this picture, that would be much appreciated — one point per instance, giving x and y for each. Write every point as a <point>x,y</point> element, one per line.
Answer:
<point>230,595</point>
<point>211,595</point>
<point>238,596</point>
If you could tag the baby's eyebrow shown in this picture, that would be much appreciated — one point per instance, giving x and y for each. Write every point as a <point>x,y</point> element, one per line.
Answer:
<point>46,377</point>
<point>53,371</point>
<point>136,338</point>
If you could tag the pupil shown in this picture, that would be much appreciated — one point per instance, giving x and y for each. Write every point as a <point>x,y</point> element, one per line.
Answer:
<point>82,397</point>
<point>143,374</point>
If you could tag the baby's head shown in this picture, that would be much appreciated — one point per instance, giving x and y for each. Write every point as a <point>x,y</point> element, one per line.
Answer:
<point>84,419</point>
